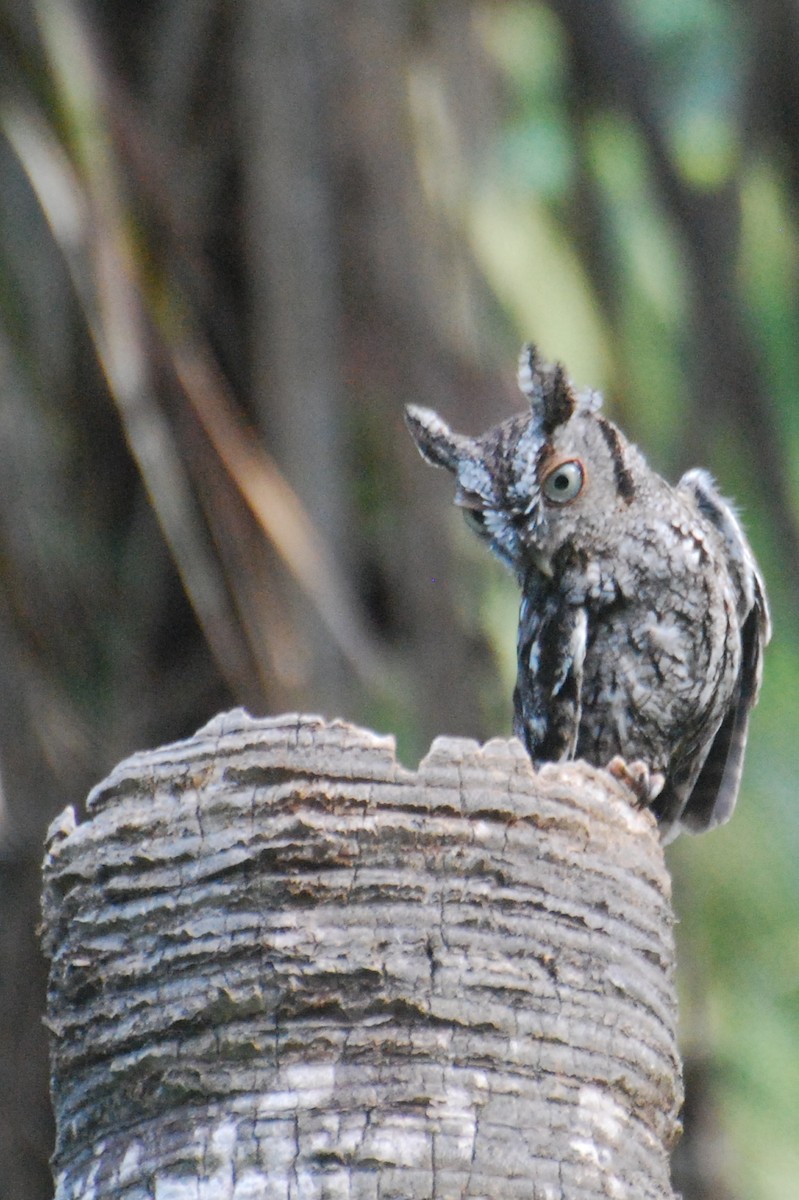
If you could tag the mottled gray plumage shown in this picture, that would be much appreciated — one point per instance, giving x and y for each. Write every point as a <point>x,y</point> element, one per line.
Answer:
<point>643,614</point>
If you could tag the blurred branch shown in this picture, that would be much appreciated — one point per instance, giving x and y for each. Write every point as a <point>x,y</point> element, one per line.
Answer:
<point>91,236</point>
<point>278,511</point>
<point>87,216</point>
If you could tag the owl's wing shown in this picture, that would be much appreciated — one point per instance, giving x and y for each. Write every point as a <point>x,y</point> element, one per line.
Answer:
<point>713,796</point>
<point>551,651</point>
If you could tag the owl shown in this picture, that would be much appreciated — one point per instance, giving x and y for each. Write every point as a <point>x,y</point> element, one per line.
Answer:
<point>643,613</point>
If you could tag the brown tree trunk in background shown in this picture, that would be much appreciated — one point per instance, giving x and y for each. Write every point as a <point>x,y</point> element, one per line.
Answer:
<point>362,298</point>
<point>287,53</point>
<point>284,965</point>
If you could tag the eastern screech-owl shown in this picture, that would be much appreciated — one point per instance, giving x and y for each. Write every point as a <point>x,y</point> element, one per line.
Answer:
<point>643,614</point>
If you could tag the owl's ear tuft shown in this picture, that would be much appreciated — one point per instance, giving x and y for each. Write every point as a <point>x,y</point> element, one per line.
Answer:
<point>434,439</point>
<point>559,400</point>
<point>551,396</point>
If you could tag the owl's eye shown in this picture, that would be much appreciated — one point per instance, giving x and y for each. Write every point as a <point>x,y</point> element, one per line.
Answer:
<point>564,482</point>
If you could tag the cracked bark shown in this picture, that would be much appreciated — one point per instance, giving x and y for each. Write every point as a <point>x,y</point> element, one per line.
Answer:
<point>283,965</point>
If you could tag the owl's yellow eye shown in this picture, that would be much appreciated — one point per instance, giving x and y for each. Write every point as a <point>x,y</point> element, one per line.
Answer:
<point>564,482</point>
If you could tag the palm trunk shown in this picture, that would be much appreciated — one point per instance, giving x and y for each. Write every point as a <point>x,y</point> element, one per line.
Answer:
<point>283,965</point>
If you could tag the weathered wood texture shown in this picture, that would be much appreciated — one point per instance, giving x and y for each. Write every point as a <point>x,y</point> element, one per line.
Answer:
<point>282,965</point>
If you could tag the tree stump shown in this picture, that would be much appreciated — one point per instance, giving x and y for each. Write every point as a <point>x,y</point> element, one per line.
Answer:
<point>285,966</point>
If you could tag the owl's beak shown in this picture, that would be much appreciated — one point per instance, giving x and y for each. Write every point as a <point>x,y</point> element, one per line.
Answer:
<point>541,562</point>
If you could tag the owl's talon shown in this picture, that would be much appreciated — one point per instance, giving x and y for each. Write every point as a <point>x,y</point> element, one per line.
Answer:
<point>645,784</point>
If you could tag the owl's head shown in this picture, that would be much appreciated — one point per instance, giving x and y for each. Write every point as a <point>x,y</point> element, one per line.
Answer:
<point>540,480</point>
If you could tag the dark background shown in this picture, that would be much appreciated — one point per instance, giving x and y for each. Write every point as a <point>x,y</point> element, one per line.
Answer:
<point>235,238</point>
